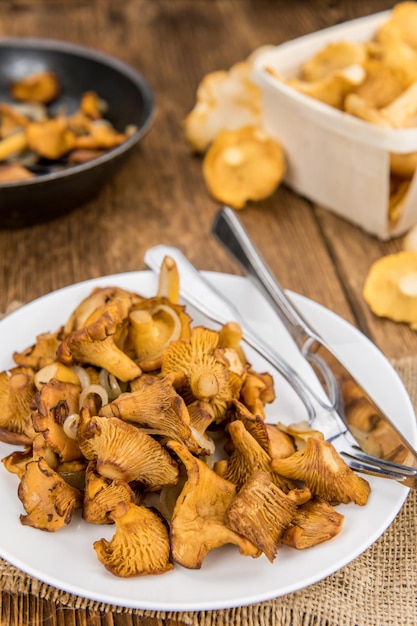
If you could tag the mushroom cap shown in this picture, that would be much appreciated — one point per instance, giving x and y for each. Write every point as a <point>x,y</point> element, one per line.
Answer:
<point>16,392</point>
<point>261,512</point>
<point>96,343</point>
<point>197,524</point>
<point>54,403</point>
<point>390,288</point>
<point>102,496</point>
<point>243,164</point>
<point>324,471</point>
<point>225,100</point>
<point>41,353</point>
<point>200,370</point>
<point>123,452</point>
<point>257,390</point>
<point>154,323</point>
<point>41,87</point>
<point>314,522</point>
<point>48,500</point>
<point>140,544</point>
<point>248,457</point>
<point>83,313</point>
<point>335,55</point>
<point>156,406</point>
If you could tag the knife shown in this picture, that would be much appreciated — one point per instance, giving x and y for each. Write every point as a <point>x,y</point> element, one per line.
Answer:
<point>370,426</point>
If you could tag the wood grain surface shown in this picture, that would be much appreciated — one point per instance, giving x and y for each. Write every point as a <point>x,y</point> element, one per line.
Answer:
<point>159,196</point>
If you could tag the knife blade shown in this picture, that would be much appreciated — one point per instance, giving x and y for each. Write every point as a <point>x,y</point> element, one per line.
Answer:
<point>367,422</point>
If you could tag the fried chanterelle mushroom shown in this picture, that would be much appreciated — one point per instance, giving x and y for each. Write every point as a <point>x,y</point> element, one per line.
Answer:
<point>48,500</point>
<point>123,452</point>
<point>200,370</point>
<point>314,521</point>
<point>198,521</point>
<point>140,544</point>
<point>261,512</point>
<point>324,471</point>
<point>177,455</point>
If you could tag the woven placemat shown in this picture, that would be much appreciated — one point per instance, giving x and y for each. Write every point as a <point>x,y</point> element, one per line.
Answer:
<point>376,589</point>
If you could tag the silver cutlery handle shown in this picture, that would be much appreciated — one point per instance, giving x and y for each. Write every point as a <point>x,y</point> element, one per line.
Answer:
<point>229,231</point>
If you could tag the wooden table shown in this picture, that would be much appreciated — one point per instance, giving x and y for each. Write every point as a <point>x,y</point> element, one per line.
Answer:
<point>160,196</point>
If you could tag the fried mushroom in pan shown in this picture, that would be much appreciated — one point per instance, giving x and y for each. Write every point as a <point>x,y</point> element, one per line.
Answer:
<point>197,524</point>
<point>140,545</point>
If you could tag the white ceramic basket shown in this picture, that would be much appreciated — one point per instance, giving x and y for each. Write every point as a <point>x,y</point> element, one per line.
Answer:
<point>334,159</point>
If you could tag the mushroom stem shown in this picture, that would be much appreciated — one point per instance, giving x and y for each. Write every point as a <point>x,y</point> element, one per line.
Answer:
<point>204,385</point>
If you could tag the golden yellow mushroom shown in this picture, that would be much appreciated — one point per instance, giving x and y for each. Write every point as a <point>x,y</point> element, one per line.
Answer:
<point>140,545</point>
<point>314,522</point>
<point>336,55</point>
<point>123,452</point>
<point>102,496</point>
<point>242,165</point>
<point>248,457</point>
<point>16,392</point>
<point>42,87</point>
<point>156,407</point>
<point>197,524</point>
<point>201,372</point>
<point>390,288</point>
<point>261,512</point>
<point>324,472</point>
<point>55,402</point>
<point>48,500</point>
<point>98,341</point>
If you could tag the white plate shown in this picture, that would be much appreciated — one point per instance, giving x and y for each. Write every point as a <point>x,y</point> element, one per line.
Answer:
<point>67,560</point>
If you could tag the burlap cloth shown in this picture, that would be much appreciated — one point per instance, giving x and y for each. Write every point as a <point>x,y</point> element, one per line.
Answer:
<point>378,588</point>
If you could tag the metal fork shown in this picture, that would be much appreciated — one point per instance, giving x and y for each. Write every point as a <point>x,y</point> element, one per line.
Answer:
<point>321,411</point>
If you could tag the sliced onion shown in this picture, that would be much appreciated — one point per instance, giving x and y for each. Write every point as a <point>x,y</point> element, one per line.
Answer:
<point>44,375</point>
<point>70,425</point>
<point>204,442</point>
<point>83,375</point>
<point>110,384</point>
<point>94,389</point>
